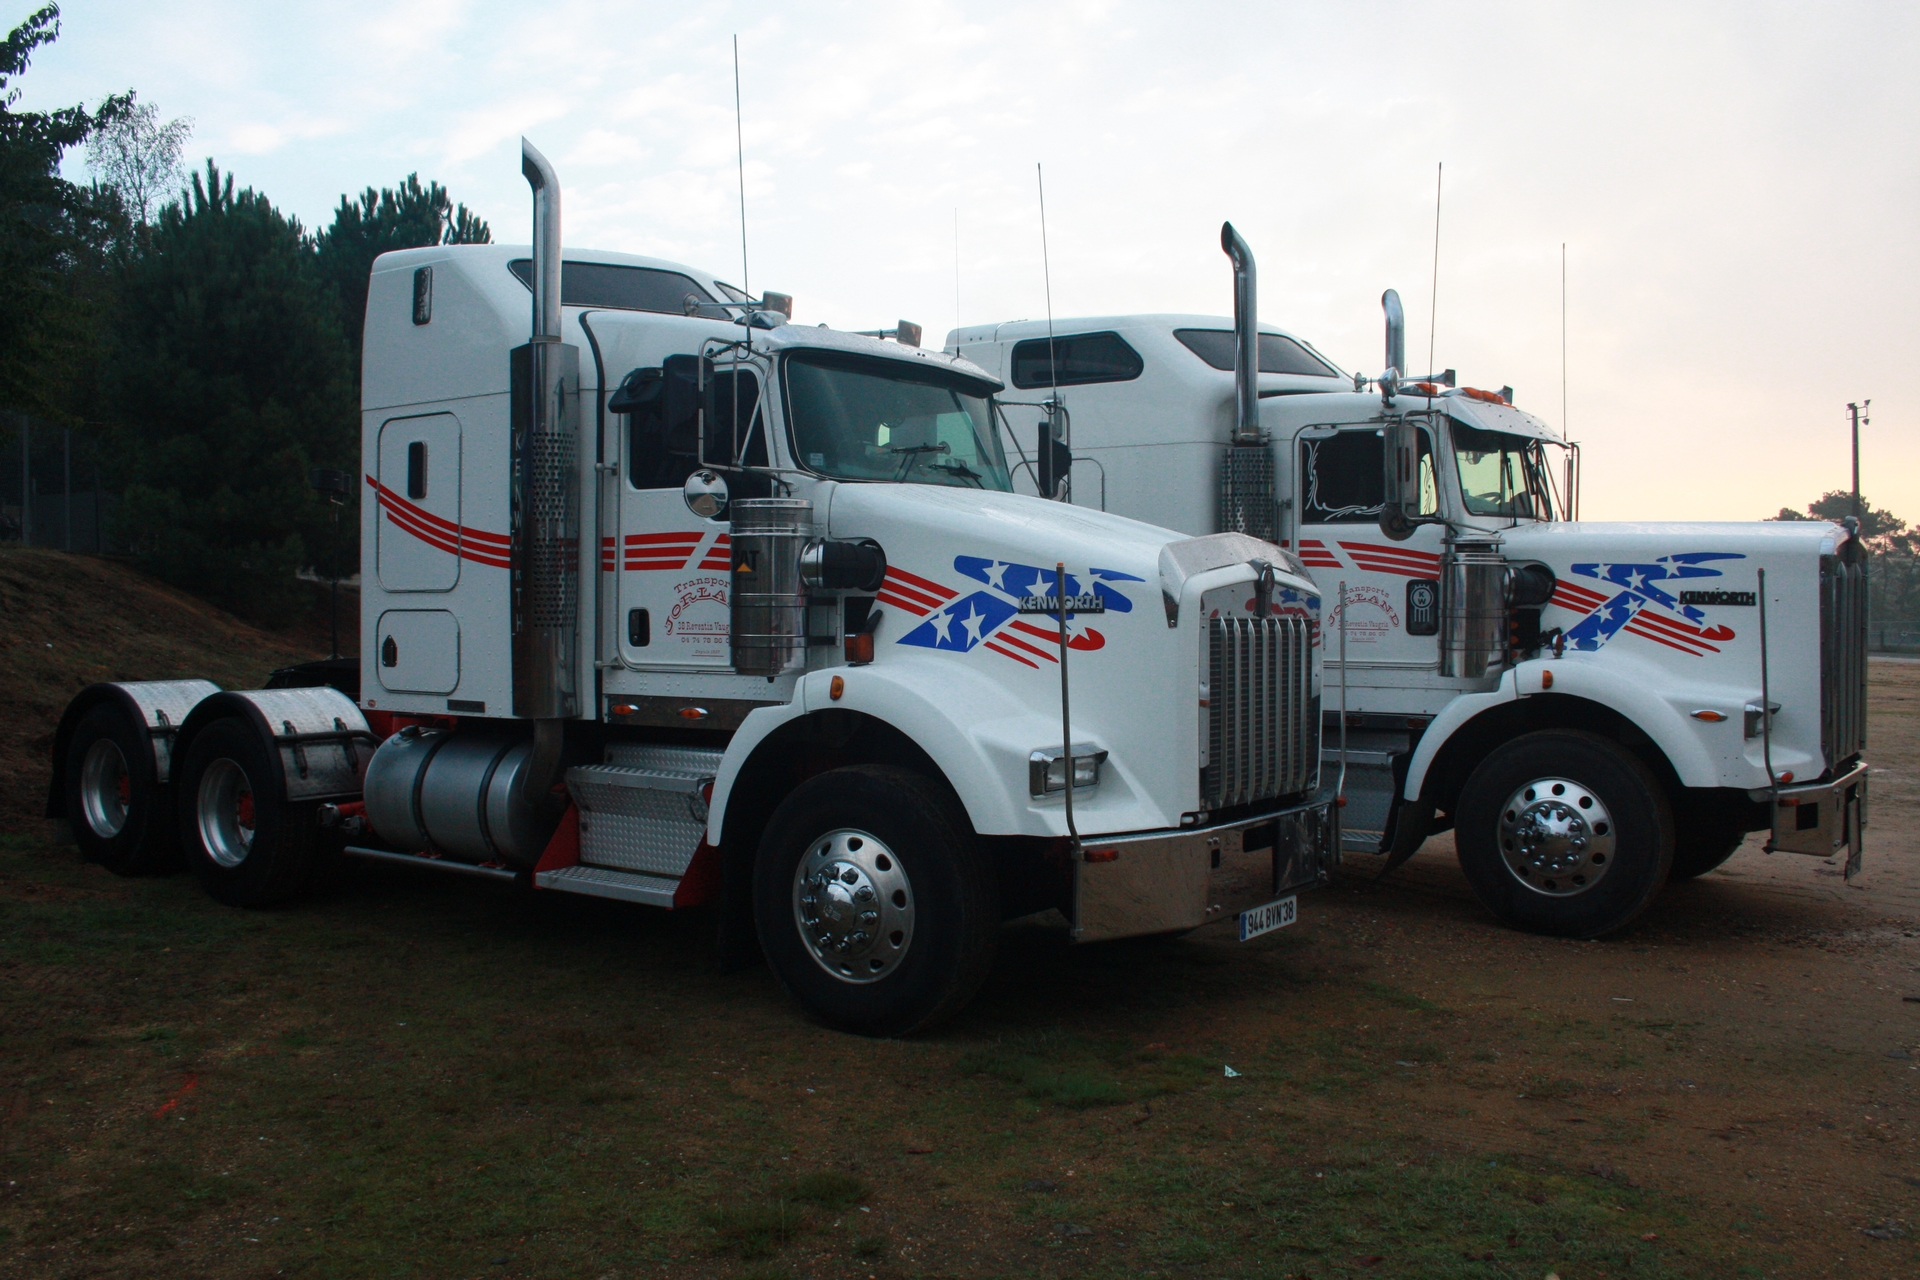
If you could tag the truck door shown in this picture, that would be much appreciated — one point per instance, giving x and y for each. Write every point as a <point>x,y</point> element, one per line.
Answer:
<point>1393,590</point>
<point>670,554</point>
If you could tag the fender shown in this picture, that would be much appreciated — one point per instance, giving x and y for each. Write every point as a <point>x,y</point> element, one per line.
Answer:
<point>159,706</point>
<point>984,760</point>
<point>1702,755</point>
<point>316,737</point>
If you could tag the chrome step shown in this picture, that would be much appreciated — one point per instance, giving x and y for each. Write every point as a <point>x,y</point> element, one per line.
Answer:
<point>604,882</point>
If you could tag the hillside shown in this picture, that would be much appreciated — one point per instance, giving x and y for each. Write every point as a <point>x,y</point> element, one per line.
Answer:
<point>67,621</point>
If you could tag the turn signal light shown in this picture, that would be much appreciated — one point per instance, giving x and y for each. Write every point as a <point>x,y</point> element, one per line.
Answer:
<point>836,687</point>
<point>1711,717</point>
<point>860,648</point>
<point>1102,855</point>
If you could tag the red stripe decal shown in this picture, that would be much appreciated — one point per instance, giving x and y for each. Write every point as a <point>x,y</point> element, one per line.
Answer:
<point>900,602</point>
<point>901,577</point>
<point>1017,642</point>
<point>1008,653</point>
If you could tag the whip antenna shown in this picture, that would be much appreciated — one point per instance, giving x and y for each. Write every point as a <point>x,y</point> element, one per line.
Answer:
<point>740,146</point>
<point>1565,434</point>
<point>956,266</point>
<point>1046,269</point>
<point>1433,304</point>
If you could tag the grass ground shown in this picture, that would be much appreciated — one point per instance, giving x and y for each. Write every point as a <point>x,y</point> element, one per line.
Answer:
<point>412,1075</point>
<point>422,1078</point>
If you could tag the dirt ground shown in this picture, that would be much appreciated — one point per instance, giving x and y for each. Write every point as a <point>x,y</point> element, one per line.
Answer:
<point>415,1075</point>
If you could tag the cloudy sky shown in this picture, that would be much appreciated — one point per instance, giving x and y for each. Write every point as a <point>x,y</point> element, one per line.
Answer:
<point>1737,185</point>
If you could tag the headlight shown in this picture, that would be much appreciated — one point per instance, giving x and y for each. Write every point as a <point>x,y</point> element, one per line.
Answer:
<point>1047,769</point>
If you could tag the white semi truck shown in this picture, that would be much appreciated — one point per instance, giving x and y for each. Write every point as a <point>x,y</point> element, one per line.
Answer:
<point>671,601</point>
<point>1593,708</point>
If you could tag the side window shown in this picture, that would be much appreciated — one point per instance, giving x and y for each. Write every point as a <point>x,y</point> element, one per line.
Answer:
<point>1074,360</point>
<point>663,405</point>
<point>1344,481</point>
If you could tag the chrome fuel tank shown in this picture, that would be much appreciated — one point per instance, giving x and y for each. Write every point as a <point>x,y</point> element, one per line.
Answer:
<point>455,794</point>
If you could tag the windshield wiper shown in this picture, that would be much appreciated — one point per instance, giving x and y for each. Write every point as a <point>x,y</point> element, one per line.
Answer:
<point>960,469</point>
<point>911,453</point>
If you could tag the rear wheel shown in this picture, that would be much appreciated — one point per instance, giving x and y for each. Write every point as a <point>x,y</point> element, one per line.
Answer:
<point>248,846</point>
<point>874,904</point>
<point>114,800</point>
<point>1564,833</point>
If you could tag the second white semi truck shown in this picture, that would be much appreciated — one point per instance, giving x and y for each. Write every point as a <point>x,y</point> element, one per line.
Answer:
<point>1593,708</point>
<point>668,600</point>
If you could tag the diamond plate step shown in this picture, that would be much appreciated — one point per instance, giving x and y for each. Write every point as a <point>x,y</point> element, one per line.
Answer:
<point>604,882</point>
<point>642,810</point>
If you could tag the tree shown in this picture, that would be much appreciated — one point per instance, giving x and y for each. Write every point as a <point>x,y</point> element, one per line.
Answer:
<point>1837,504</point>
<point>412,217</point>
<point>138,157</point>
<point>234,378</point>
<point>50,230</point>
<point>1893,576</point>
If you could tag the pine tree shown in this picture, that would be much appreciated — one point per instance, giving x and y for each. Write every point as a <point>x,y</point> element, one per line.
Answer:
<point>235,378</point>
<point>412,217</point>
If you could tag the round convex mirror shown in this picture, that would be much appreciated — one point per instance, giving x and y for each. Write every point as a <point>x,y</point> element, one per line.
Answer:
<point>706,495</point>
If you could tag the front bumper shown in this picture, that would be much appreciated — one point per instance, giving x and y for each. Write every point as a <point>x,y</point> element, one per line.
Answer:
<point>1163,881</point>
<point>1822,819</point>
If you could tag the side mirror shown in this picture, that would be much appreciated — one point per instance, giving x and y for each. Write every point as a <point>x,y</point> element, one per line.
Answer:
<point>1400,491</point>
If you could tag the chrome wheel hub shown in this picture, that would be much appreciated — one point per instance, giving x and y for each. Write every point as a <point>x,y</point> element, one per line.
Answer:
<point>106,789</point>
<point>1556,837</point>
<point>224,811</point>
<point>853,906</point>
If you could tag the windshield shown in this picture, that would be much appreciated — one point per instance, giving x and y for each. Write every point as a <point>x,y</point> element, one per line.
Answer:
<point>1502,475</point>
<point>857,418</point>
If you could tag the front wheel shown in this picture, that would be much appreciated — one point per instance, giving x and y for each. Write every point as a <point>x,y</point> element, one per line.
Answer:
<point>873,901</point>
<point>1564,833</point>
<point>247,845</point>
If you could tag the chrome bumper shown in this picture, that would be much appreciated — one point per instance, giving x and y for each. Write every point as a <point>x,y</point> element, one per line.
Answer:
<point>1822,819</point>
<point>1163,881</point>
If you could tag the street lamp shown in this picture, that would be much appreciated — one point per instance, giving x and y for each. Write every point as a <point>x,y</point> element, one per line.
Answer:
<point>334,485</point>
<point>1858,414</point>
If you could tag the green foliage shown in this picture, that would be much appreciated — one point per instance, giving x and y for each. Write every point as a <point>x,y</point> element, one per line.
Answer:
<point>234,379</point>
<point>1893,577</point>
<point>54,236</point>
<point>412,217</point>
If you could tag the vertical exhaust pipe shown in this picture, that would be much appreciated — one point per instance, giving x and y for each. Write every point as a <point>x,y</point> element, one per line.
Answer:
<point>1396,347</point>
<point>1246,477</point>
<point>1246,338</point>
<point>545,483</point>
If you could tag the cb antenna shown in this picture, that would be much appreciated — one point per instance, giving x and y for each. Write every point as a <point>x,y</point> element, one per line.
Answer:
<point>740,150</point>
<point>1056,455</point>
<point>1046,269</point>
<point>1433,304</point>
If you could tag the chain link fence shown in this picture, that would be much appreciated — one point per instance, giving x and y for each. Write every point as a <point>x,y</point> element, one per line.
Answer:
<point>51,493</point>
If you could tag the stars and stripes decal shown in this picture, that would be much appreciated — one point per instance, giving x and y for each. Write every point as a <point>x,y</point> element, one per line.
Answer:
<point>490,549</point>
<point>1637,604</point>
<point>989,618</point>
<point>675,551</point>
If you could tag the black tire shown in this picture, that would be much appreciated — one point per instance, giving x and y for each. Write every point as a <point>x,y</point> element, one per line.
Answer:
<point>896,832</point>
<point>1577,857</point>
<point>1705,833</point>
<point>114,801</point>
<point>227,779</point>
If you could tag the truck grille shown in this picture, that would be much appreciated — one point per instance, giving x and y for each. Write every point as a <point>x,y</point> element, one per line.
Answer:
<point>1263,724</point>
<point>1843,659</point>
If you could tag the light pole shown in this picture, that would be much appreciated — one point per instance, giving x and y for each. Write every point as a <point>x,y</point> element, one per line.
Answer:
<point>1858,414</point>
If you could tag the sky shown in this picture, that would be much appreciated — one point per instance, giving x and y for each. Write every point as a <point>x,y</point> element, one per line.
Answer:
<point>1737,186</point>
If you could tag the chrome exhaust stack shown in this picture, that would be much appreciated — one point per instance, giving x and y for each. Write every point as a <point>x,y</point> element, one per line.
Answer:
<point>1396,345</point>
<point>545,483</point>
<point>1246,477</point>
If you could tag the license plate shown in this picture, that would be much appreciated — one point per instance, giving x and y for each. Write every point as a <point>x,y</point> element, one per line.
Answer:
<point>1274,915</point>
